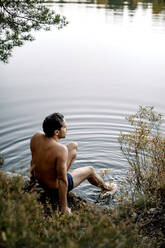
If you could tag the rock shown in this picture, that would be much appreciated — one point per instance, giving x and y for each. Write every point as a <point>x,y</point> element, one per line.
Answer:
<point>49,198</point>
<point>13,174</point>
<point>1,160</point>
<point>152,210</point>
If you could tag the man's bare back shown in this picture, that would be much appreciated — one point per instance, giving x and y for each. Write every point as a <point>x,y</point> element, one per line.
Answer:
<point>51,161</point>
<point>45,153</point>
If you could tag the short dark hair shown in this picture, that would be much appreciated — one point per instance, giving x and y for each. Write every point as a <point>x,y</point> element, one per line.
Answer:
<point>51,123</point>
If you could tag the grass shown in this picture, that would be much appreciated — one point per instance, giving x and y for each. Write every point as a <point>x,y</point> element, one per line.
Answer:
<point>137,220</point>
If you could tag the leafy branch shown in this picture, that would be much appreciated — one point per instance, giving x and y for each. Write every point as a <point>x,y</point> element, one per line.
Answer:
<point>19,18</point>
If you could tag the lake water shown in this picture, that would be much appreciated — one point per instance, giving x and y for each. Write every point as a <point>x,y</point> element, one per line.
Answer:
<point>108,60</point>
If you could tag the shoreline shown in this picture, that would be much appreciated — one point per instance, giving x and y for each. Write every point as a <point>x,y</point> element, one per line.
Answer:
<point>131,225</point>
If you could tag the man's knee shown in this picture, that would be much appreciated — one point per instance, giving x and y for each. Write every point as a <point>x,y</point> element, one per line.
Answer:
<point>91,170</point>
<point>75,145</point>
<point>73,154</point>
<point>72,150</point>
<point>72,146</point>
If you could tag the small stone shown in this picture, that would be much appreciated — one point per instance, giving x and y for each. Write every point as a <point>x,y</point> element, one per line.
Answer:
<point>4,238</point>
<point>152,210</point>
<point>134,215</point>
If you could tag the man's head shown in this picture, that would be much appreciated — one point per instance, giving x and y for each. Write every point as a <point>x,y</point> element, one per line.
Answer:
<point>54,124</point>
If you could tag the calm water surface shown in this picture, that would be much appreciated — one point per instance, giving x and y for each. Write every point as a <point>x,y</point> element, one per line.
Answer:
<point>98,69</point>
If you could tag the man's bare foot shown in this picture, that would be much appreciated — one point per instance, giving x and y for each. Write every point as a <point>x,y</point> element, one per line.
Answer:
<point>109,187</point>
<point>66,211</point>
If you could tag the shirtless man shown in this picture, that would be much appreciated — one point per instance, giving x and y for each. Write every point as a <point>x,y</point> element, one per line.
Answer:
<point>51,161</point>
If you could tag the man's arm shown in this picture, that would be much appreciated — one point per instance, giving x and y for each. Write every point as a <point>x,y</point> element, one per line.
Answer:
<point>62,179</point>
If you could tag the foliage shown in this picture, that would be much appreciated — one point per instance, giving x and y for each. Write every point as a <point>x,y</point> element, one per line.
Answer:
<point>23,223</point>
<point>18,18</point>
<point>144,148</point>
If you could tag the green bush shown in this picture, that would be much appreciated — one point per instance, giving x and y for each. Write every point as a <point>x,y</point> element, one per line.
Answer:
<point>144,149</point>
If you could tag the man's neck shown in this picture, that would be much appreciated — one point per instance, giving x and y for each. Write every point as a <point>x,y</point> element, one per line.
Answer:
<point>56,138</point>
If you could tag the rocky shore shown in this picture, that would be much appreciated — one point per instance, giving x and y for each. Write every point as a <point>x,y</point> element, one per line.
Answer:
<point>49,198</point>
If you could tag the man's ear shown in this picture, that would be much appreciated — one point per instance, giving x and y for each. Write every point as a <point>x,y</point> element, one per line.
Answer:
<point>56,132</point>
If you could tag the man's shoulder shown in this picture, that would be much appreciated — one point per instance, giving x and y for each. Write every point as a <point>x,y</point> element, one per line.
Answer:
<point>40,133</point>
<point>61,147</point>
<point>37,135</point>
<point>61,150</point>
<point>35,138</point>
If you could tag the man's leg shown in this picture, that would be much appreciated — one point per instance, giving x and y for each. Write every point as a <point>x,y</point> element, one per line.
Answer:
<point>72,153</point>
<point>88,172</point>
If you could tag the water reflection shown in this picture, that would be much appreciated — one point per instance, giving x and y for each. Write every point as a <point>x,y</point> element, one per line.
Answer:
<point>157,5</point>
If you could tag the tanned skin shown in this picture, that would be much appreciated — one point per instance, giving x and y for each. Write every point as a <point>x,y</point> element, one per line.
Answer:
<point>51,161</point>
